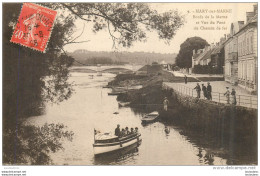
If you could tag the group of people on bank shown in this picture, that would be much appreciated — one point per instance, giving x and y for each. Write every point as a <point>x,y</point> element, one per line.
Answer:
<point>206,91</point>
<point>230,96</point>
<point>125,131</point>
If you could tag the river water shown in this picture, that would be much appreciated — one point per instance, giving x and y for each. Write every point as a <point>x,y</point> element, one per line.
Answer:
<point>90,107</point>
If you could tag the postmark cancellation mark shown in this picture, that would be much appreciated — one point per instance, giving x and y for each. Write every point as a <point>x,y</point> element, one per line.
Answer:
<point>34,26</point>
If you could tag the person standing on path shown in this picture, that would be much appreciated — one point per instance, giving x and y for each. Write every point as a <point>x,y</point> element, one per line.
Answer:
<point>227,94</point>
<point>209,90</point>
<point>185,79</point>
<point>204,89</point>
<point>233,97</point>
<point>165,104</point>
<point>198,89</point>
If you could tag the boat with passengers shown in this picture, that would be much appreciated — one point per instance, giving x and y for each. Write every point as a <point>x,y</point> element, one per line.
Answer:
<point>108,142</point>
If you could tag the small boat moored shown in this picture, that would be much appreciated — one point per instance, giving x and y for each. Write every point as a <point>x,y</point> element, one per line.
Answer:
<point>123,104</point>
<point>116,93</point>
<point>99,73</point>
<point>151,117</point>
<point>107,142</point>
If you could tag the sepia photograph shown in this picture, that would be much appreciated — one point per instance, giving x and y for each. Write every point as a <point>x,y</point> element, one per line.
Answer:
<point>130,84</point>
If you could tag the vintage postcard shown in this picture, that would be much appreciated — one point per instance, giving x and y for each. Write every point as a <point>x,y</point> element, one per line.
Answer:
<point>130,84</point>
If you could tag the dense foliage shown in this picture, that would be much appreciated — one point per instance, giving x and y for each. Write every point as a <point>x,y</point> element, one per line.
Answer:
<point>205,69</point>
<point>126,22</point>
<point>30,78</point>
<point>99,60</point>
<point>34,144</point>
<point>184,58</point>
<point>24,70</point>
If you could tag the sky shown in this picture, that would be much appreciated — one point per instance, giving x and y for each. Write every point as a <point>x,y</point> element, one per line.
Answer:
<point>101,41</point>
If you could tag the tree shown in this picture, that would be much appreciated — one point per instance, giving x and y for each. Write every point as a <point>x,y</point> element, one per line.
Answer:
<point>25,70</point>
<point>184,57</point>
<point>33,144</point>
<point>25,87</point>
<point>126,22</point>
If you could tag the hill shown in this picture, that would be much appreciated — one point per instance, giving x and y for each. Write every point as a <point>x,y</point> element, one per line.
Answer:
<point>103,57</point>
<point>117,70</point>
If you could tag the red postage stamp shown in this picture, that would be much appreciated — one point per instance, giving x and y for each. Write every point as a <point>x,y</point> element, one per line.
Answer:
<point>34,26</point>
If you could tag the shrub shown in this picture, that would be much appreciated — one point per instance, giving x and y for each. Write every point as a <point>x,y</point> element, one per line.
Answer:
<point>205,69</point>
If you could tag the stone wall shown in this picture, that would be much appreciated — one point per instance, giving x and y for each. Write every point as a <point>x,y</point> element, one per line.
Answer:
<point>228,127</point>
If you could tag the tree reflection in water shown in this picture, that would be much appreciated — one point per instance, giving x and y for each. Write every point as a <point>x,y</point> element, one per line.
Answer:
<point>200,155</point>
<point>234,150</point>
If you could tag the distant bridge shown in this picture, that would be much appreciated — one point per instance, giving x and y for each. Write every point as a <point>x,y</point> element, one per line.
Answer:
<point>108,69</point>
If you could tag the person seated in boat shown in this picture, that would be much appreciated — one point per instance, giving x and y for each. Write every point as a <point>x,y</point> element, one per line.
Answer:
<point>122,133</point>
<point>136,130</point>
<point>127,131</point>
<point>132,131</point>
<point>117,130</point>
<point>96,131</point>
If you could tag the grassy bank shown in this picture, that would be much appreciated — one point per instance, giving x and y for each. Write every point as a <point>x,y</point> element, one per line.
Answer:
<point>151,79</point>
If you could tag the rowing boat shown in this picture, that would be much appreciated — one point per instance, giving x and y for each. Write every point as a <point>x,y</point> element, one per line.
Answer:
<point>151,117</point>
<point>123,104</point>
<point>107,142</point>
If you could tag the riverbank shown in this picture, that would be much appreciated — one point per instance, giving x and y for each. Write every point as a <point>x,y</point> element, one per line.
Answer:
<point>225,131</point>
<point>151,79</point>
<point>221,129</point>
<point>234,128</point>
<point>151,82</point>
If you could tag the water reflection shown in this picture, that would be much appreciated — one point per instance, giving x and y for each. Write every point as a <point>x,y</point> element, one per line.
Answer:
<point>116,157</point>
<point>200,155</point>
<point>167,130</point>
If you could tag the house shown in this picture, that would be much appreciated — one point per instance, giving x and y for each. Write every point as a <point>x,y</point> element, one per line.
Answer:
<point>206,58</point>
<point>247,53</point>
<point>241,53</point>
<point>196,57</point>
<point>202,56</point>
<point>218,56</point>
<point>231,56</point>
